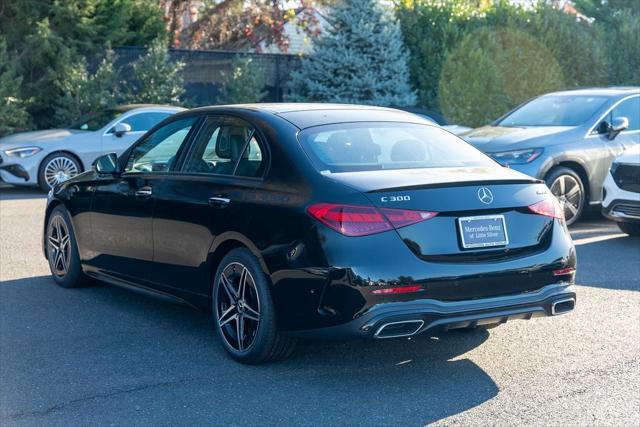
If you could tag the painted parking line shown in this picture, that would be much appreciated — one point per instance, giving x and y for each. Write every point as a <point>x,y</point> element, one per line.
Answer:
<point>596,239</point>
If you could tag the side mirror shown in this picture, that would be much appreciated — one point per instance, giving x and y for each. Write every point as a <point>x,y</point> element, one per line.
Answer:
<point>618,124</point>
<point>107,164</point>
<point>122,128</point>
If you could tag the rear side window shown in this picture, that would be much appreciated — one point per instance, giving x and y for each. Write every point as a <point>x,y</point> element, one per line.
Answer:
<point>226,146</point>
<point>350,147</point>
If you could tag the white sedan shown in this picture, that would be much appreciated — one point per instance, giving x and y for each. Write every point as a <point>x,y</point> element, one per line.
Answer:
<point>47,157</point>
<point>621,198</point>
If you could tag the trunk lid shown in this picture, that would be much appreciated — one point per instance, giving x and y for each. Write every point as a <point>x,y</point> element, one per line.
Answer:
<point>380,180</point>
<point>455,194</point>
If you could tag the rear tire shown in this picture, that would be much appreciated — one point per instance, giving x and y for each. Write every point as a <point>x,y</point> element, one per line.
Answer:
<point>243,312</point>
<point>632,229</point>
<point>565,184</point>
<point>62,250</point>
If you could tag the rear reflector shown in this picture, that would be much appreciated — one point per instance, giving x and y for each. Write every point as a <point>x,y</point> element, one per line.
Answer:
<point>564,271</point>
<point>352,220</point>
<point>398,290</point>
<point>548,207</point>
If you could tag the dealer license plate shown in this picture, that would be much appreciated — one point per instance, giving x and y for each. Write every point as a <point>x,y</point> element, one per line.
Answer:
<point>483,231</point>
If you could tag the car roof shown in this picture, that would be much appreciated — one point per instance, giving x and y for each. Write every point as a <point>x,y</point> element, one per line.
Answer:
<point>304,115</point>
<point>437,117</point>
<point>129,107</point>
<point>599,91</point>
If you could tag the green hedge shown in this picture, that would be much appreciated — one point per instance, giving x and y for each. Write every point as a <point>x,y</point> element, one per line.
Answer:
<point>623,48</point>
<point>474,60</point>
<point>491,71</point>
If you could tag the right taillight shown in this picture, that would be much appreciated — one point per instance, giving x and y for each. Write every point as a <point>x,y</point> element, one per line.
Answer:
<point>354,220</point>
<point>548,207</point>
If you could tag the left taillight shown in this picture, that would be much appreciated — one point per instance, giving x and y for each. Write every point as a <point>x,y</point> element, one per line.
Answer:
<point>548,207</point>
<point>355,220</point>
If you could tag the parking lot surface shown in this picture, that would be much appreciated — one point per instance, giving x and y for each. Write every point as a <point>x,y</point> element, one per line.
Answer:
<point>106,356</point>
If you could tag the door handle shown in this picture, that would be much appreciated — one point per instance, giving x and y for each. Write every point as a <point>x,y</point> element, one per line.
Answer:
<point>144,193</point>
<point>219,201</point>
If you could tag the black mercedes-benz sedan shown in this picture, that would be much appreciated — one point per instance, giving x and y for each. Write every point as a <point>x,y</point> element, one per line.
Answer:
<point>337,221</point>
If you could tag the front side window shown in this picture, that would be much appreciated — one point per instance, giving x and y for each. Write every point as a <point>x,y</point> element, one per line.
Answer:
<point>348,147</point>
<point>555,110</point>
<point>157,152</point>
<point>630,109</point>
<point>142,122</point>
<point>226,147</point>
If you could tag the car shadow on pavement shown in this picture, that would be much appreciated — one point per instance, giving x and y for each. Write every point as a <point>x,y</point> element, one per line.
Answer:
<point>622,255</point>
<point>8,192</point>
<point>106,355</point>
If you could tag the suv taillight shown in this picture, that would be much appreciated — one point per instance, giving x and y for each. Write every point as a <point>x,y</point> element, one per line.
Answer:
<point>353,220</point>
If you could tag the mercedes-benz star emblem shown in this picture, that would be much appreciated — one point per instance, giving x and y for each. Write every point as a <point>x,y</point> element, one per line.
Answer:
<point>485,195</point>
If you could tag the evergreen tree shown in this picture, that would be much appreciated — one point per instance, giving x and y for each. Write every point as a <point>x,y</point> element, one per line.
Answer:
<point>244,84</point>
<point>49,38</point>
<point>84,92</point>
<point>361,59</point>
<point>13,114</point>
<point>158,79</point>
<point>497,84</point>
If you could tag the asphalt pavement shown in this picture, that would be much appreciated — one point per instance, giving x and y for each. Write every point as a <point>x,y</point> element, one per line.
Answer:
<point>106,356</point>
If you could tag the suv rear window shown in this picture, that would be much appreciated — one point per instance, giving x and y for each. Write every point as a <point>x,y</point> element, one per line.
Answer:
<point>348,147</point>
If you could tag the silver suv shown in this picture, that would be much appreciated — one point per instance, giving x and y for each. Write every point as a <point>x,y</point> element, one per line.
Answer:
<point>568,138</point>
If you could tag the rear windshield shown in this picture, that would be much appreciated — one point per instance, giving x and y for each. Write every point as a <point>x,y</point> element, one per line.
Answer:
<point>555,110</point>
<point>348,147</point>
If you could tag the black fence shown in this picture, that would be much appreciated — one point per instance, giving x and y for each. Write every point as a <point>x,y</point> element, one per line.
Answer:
<point>204,71</point>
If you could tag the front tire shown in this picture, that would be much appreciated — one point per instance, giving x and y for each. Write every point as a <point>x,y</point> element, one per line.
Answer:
<point>57,168</point>
<point>568,188</point>
<point>632,229</point>
<point>243,312</point>
<point>62,250</point>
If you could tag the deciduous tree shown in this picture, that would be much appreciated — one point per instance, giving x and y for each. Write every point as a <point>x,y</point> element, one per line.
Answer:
<point>236,24</point>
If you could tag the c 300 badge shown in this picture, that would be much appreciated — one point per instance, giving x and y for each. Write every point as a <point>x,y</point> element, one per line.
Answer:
<point>398,198</point>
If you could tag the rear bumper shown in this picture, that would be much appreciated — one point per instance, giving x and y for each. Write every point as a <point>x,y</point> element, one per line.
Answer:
<point>403,319</point>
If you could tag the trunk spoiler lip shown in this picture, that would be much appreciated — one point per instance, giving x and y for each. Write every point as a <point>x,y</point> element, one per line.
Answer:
<point>458,184</point>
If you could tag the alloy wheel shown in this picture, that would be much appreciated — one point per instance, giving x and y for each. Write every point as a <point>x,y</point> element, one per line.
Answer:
<point>59,169</point>
<point>59,248</point>
<point>568,192</point>
<point>238,307</point>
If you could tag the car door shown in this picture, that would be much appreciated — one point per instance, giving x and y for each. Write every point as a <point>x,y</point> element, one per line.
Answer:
<point>220,176</point>
<point>140,123</point>
<point>122,206</point>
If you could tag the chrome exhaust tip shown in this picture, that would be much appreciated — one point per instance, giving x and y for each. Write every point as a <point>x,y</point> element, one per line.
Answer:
<point>562,306</point>
<point>405,328</point>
